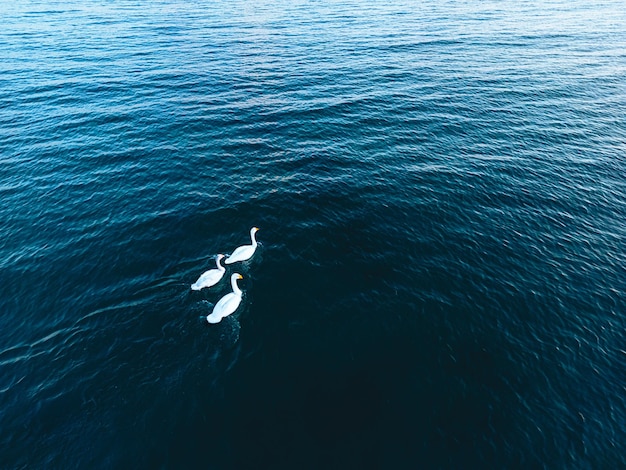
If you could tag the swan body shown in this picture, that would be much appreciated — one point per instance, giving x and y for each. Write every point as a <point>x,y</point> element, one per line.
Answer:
<point>227,304</point>
<point>211,277</point>
<point>244,252</point>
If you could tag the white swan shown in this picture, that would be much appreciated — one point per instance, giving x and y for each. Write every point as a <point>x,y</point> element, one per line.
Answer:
<point>211,277</point>
<point>244,252</point>
<point>227,304</point>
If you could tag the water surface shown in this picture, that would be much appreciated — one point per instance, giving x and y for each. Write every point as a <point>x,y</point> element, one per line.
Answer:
<point>440,188</point>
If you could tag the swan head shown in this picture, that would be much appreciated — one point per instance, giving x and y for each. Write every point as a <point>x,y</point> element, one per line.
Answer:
<point>219,257</point>
<point>254,229</point>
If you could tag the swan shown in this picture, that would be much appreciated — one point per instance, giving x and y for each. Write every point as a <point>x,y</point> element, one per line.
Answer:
<point>211,277</point>
<point>244,252</point>
<point>227,304</point>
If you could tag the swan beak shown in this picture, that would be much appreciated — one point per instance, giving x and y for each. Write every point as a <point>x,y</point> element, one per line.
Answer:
<point>240,277</point>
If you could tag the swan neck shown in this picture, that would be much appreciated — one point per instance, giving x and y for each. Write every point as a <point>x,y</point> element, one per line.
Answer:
<point>236,289</point>
<point>219,264</point>
<point>253,238</point>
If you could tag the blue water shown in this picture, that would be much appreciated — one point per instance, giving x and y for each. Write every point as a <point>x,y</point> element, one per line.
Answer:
<point>441,194</point>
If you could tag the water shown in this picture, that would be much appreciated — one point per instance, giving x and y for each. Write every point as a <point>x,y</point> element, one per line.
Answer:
<point>440,188</point>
